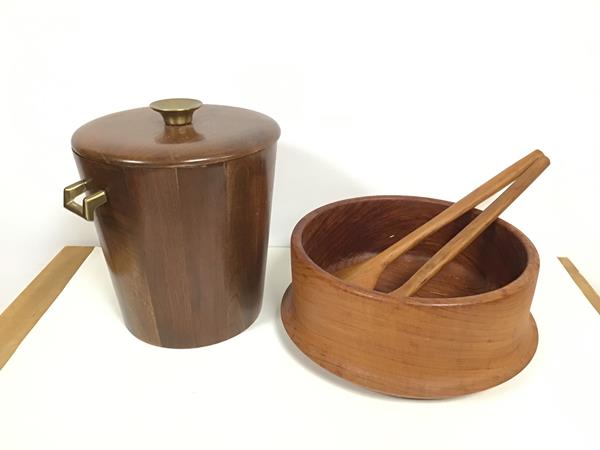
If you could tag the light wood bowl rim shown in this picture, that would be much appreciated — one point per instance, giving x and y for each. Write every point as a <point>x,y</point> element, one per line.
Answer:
<point>518,284</point>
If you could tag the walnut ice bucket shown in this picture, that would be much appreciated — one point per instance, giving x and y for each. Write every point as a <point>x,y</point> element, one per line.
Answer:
<point>180,193</point>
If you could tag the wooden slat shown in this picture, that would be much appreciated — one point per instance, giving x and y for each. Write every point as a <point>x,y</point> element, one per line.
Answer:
<point>24,312</point>
<point>581,282</point>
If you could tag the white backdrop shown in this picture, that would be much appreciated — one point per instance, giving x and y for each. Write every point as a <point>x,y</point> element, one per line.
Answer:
<point>425,98</point>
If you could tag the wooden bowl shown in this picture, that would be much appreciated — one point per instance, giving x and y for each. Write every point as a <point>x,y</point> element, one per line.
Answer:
<point>468,329</point>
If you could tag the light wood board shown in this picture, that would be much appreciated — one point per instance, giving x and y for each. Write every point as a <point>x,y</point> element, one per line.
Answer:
<point>581,282</point>
<point>24,312</point>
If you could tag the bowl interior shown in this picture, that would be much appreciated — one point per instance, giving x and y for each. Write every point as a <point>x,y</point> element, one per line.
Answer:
<point>351,231</point>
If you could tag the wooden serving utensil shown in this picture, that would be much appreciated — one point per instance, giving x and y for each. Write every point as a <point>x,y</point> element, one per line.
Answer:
<point>366,273</point>
<point>468,234</point>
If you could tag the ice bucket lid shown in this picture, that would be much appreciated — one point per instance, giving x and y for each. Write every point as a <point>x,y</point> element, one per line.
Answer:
<point>175,132</point>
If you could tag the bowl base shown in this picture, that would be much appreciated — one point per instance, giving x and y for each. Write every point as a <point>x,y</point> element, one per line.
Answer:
<point>304,339</point>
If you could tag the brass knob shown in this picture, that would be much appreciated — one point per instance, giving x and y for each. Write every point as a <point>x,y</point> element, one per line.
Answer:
<point>176,111</point>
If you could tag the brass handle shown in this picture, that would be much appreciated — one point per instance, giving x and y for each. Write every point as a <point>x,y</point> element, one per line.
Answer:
<point>176,111</point>
<point>89,203</point>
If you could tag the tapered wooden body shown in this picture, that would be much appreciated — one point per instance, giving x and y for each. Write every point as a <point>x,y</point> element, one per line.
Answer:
<point>186,247</point>
<point>186,223</point>
<point>469,328</point>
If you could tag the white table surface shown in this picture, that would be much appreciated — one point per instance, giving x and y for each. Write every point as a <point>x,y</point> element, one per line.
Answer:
<point>80,380</point>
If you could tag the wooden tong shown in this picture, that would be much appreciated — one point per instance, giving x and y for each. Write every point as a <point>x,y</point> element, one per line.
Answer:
<point>525,171</point>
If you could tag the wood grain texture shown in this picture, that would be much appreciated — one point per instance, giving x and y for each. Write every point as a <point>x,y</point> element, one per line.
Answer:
<point>186,246</point>
<point>469,328</point>
<point>22,314</point>
<point>585,287</point>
